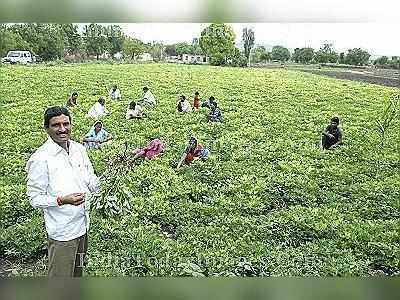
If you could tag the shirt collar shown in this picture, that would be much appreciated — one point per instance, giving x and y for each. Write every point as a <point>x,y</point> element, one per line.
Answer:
<point>54,148</point>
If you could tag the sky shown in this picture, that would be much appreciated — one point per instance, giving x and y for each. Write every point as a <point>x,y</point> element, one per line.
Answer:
<point>376,38</point>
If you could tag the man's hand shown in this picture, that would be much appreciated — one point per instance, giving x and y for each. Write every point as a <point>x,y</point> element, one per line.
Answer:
<point>73,199</point>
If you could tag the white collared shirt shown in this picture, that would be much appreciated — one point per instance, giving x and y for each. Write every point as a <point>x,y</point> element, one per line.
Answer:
<point>149,98</point>
<point>186,107</point>
<point>52,172</point>
<point>97,111</point>
<point>115,94</point>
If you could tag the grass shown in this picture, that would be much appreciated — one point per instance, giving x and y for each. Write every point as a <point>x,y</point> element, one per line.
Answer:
<point>268,201</point>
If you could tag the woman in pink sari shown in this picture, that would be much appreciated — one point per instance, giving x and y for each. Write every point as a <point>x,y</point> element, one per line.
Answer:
<point>153,149</point>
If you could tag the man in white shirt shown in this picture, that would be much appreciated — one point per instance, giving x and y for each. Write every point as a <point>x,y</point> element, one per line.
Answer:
<point>98,109</point>
<point>115,93</point>
<point>134,111</point>
<point>148,97</point>
<point>60,181</point>
<point>184,105</point>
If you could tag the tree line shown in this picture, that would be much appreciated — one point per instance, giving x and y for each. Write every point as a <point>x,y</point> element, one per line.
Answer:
<point>60,41</point>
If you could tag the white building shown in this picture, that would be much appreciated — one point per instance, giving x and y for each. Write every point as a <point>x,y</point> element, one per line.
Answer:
<point>195,59</point>
<point>145,57</point>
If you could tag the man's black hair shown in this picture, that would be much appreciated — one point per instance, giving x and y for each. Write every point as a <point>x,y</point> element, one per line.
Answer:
<point>74,94</point>
<point>197,93</point>
<point>101,100</point>
<point>132,105</point>
<point>335,119</point>
<point>212,98</point>
<point>55,111</point>
<point>145,88</point>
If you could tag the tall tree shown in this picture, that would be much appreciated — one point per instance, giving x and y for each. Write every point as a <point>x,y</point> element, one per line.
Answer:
<point>116,38</point>
<point>196,49</point>
<point>45,40</point>
<point>96,40</point>
<point>183,48</point>
<point>170,50</point>
<point>280,53</point>
<point>303,55</point>
<point>248,41</point>
<point>218,42</point>
<point>157,51</point>
<point>326,54</point>
<point>10,41</point>
<point>133,47</point>
<point>357,56</point>
<point>73,39</point>
<point>342,58</point>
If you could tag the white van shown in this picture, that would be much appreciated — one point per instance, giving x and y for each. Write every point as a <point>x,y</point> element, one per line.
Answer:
<point>18,56</point>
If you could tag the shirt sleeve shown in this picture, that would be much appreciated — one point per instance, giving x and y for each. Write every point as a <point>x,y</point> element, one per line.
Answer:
<point>94,182</point>
<point>37,183</point>
<point>340,134</point>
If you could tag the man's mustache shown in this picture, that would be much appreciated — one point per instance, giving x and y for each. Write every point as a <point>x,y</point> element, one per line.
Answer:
<point>64,132</point>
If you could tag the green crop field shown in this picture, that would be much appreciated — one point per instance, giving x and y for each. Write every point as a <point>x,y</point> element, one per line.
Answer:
<point>268,202</point>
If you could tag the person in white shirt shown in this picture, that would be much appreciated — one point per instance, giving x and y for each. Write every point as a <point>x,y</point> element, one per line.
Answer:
<point>184,105</point>
<point>61,180</point>
<point>98,109</point>
<point>115,93</point>
<point>148,97</point>
<point>134,111</point>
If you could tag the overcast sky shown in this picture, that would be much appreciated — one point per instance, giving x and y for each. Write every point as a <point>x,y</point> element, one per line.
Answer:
<point>377,38</point>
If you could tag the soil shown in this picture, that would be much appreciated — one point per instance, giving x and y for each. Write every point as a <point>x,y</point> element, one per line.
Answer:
<point>389,78</point>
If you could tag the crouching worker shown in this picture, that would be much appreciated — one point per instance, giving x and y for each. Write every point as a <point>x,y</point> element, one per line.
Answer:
<point>153,149</point>
<point>193,152</point>
<point>332,136</point>
<point>215,114</point>
<point>96,137</point>
<point>134,111</point>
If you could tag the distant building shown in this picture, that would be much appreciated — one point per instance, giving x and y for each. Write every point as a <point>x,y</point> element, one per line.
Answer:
<point>118,55</point>
<point>145,57</point>
<point>195,59</point>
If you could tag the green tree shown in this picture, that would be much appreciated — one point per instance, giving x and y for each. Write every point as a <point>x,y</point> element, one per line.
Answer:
<point>96,41</point>
<point>357,57</point>
<point>170,50</point>
<point>157,51</point>
<point>10,41</point>
<point>258,51</point>
<point>382,61</point>
<point>218,42</point>
<point>73,40</point>
<point>196,49</point>
<point>238,59</point>
<point>46,40</point>
<point>326,54</point>
<point>342,58</point>
<point>303,55</point>
<point>133,47</point>
<point>116,38</point>
<point>183,48</point>
<point>267,56</point>
<point>280,53</point>
<point>248,41</point>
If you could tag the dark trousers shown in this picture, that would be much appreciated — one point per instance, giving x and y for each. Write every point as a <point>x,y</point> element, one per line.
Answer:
<point>66,258</point>
<point>328,141</point>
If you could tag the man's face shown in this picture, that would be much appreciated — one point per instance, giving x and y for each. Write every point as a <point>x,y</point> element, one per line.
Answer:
<point>333,124</point>
<point>59,129</point>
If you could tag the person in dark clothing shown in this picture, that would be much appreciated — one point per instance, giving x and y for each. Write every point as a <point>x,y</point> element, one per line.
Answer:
<point>72,100</point>
<point>332,136</point>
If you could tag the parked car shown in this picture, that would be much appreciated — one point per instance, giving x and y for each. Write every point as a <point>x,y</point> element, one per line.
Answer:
<point>18,56</point>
